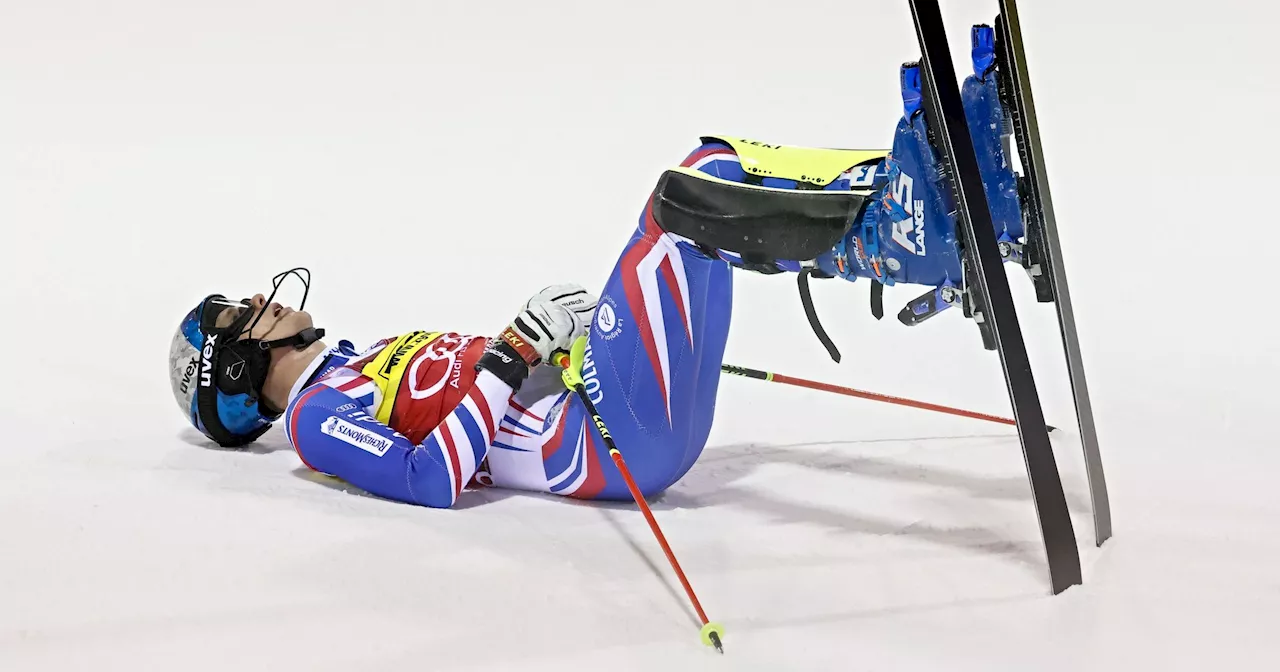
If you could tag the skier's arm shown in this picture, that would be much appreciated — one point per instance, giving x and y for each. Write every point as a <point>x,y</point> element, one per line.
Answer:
<point>333,434</point>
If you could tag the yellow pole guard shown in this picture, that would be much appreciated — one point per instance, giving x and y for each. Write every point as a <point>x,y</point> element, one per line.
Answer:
<point>572,363</point>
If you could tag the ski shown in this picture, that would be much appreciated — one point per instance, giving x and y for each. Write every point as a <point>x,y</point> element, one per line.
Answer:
<point>1043,253</point>
<point>987,295</point>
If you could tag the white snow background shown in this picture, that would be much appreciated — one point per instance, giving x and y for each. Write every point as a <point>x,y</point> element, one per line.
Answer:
<point>435,163</point>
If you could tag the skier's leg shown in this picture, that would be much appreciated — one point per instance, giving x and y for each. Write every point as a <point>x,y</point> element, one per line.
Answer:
<point>657,341</point>
<point>658,338</point>
<point>652,366</point>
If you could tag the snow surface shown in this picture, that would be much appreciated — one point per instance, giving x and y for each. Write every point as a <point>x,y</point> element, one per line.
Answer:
<point>433,163</point>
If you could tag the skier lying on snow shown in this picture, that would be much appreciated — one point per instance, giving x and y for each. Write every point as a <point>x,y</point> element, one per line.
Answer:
<point>419,417</point>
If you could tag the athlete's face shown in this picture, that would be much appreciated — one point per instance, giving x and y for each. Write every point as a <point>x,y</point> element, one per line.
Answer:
<point>277,321</point>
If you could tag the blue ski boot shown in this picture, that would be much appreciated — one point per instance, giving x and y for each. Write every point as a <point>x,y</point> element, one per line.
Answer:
<point>907,234</point>
<point>989,101</point>
<point>989,126</point>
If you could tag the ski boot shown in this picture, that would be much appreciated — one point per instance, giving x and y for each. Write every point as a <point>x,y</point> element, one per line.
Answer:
<point>989,128</point>
<point>907,233</point>
<point>989,107</point>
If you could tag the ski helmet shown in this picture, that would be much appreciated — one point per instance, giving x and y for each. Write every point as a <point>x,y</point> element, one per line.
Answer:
<point>217,372</point>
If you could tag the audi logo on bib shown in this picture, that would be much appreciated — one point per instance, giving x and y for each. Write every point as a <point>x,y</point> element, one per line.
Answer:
<point>446,348</point>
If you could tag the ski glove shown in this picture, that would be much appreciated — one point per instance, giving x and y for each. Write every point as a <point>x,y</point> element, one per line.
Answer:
<point>540,328</point>
<point>578,300</point>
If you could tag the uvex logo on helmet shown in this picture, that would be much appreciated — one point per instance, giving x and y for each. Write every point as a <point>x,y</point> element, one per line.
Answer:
<point>206,365</point>
<point>188,373</point>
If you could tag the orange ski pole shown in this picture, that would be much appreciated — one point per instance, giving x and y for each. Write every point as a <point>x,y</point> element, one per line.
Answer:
<point>863,394</point>
<point>711,633</point>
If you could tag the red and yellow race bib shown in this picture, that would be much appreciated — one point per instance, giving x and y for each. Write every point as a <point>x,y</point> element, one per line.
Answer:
<point>422,376</point>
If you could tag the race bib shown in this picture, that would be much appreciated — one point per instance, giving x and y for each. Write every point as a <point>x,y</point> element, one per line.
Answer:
<point>388,368</point>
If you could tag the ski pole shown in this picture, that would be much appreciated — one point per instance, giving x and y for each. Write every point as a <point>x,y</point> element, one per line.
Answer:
<point>572,377</point>
<point>862,394</point>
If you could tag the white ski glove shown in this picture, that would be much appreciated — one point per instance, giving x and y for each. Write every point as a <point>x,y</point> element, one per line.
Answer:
<point>543,326</point>
<point>578,300</point>
<point>547,325</point>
